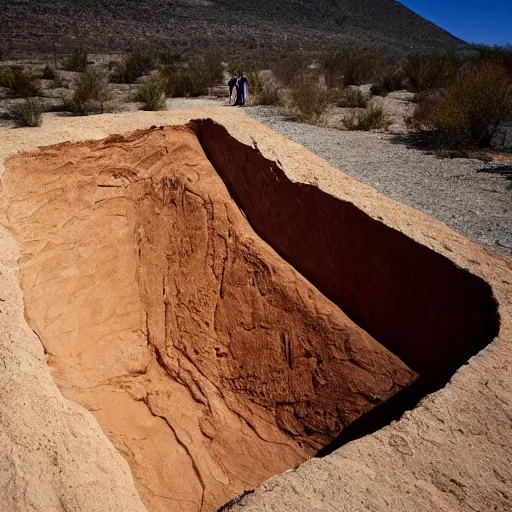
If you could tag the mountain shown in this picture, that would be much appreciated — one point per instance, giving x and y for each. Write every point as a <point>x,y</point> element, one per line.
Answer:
<point>258,27</point>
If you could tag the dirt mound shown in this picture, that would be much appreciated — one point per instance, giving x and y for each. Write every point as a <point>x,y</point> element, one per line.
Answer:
<point>209,361</point>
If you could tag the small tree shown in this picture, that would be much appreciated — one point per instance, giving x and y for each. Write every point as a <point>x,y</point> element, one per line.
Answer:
<point>310,99</point>
<point>152,95</point>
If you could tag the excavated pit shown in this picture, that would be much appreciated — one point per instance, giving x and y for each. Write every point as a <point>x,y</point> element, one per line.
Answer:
<point>163,272</point>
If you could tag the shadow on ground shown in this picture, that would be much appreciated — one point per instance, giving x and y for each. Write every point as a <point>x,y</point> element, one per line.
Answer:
<point>501,170</point>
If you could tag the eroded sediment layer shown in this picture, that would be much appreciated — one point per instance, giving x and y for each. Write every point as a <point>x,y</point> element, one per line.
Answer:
<point>209,362</point>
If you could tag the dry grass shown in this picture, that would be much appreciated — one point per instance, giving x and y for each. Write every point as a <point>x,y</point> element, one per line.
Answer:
<point>309,99</point>
<point>28,113</point>
<point>372,118</point>
<point>152,95</point>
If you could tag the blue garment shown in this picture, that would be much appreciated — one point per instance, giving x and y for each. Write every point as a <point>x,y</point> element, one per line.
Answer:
<point>240,92</point>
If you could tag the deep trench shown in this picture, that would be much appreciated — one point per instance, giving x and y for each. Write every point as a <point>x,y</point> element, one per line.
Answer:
<point>417,303</point>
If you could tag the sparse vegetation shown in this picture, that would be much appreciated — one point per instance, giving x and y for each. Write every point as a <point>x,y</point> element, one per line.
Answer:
<point>310,99</point>
<point>48,73</point>
<point>288,70</point>
<point>350,68</point>
<point>207,69</point>
<point>468,112</point>
<point>352,98</point>
<point>28,113</point>
<point>132,67</point>
<point>270,95</point>
<point>76,61</point>
<point>392,80</point>
<point>90,94</point>
<point>152,95</point>
<point>21,83</point>
<point>372,118</point>
<point>181,83</point>
<point>432,71</point>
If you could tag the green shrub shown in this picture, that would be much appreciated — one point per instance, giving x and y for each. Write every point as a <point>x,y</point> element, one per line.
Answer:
<point>372,118</point>
<point>28,113</point>
<point>76,61</point>
<point>181,83</point>
<point>152,95</point>
<point>255,84</point>
<point>309,99</point>
<point>433,71</point>
<point>21,83</point>
<point>470,110</point>
<point>132,67</point>
<point>352,98</point>
<point>350,68</point>
<point>90,94</point>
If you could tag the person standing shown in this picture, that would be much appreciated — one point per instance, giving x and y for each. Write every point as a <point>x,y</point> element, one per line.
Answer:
<point>232,86</point>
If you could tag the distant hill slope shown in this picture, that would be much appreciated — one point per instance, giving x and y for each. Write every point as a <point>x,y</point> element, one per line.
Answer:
<point>266,27</point>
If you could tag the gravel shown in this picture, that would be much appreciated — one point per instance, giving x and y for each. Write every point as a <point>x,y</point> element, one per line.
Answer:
<point>472,197</point>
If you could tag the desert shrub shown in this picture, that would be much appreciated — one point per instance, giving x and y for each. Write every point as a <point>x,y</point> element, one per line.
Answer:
<point>352,98</point>
<point>28,113</point>
<point>309,99</point>
<point>152,95</point>
<point>392,80</point>
<point>181,83</point>
<point>501,55</point>
<point>133,66</point>
<point>76,61</point>
<point>432,71</point>
<point>269,95</point>
<point>90,93</point>
<point>372,118</point>
<point>255,84</point>
<point>350,68</point>
<point>48,73</point>
<point>207,69</point>
<point>21,83</point>
<point>468,112</point>
<point>287,70</point>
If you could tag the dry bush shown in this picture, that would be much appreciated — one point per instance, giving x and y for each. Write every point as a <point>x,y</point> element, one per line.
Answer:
<point>372,118</point>
<point>269,95</point>
<point>468,112</point>
<point>76,61</point>
<point>501,55</point>
<point>21,83</point>
<point>48,73</point>
<point>152,95</point>
<point>133,66</point>
<point>90,94</point>
<point>432,71</point>
<point>350,68</point>
<point>28,113</point>
<point>352,98</point>
<point>309,99</point>
<point>288,70</point>
<point>392,80</point>
<point>207,69</point>
<point>181,83</point>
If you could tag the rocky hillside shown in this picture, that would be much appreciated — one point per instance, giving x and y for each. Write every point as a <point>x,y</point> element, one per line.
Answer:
<point>259,27</point>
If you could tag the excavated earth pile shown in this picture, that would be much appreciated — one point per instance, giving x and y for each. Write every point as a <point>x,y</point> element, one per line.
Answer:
<point>205,356</point>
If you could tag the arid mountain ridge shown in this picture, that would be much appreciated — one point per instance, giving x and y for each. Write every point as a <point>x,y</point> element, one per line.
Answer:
<point>263,27</point>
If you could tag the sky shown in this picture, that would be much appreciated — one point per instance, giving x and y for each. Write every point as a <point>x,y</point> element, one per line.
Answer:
<point>474,21</point>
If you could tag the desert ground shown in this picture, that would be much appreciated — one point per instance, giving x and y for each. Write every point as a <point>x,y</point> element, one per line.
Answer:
<point>197,300</point>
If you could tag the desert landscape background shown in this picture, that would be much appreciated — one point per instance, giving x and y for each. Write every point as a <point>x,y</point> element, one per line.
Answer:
<point>302,303</point>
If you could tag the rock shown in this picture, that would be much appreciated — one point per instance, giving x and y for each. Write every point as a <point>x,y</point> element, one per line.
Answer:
<point>502,138</point>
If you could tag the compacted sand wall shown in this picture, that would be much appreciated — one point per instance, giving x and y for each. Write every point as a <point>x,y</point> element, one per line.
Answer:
<point>417,303</point>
